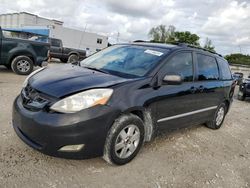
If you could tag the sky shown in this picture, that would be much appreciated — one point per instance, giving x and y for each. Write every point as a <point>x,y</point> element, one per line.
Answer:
<point>225,22</point>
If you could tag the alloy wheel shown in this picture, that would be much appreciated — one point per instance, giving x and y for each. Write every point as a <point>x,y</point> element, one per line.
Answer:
<point>127,141</point>
<point>220,116</point>
<point>23,66</point>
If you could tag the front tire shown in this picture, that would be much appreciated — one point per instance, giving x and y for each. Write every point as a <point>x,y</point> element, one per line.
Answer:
<point>124,140</point>
<point>22,65</point>
<point>218,117</point>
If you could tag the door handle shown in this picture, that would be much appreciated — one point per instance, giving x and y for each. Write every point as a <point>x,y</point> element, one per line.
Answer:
<point>192,89</point>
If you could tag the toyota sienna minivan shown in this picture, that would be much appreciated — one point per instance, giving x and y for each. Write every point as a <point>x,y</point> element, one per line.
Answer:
<point>112,102</point>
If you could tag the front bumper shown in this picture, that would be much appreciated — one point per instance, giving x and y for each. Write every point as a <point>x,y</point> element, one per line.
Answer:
<point>48,132</point>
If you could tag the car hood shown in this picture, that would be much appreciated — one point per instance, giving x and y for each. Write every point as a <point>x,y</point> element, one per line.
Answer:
<point>59,81</point>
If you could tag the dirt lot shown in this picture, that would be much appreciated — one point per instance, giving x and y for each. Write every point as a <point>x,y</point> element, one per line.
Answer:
<point>193,157</point>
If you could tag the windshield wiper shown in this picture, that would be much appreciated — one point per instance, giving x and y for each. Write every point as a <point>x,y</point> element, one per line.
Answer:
<point>96,69</point>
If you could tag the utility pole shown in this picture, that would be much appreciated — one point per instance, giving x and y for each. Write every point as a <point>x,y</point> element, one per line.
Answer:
<point>117,39</point>
<point>82,35</point>
<point>240,49</point>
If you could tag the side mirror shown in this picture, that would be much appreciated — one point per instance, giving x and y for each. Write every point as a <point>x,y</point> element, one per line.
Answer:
<point>173,79</point>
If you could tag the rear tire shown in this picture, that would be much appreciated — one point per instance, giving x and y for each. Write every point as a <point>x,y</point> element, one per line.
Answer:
<point>22,65</point>
<point>64,60</point>
<point>73,58</point>
<point>124,140</point>
<point>218,117</point>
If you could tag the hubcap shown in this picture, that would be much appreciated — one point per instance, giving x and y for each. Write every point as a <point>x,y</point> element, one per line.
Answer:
<point>220,116</point>
<point>127,141</point>
<point>23,66</point>
<point>73,59</point>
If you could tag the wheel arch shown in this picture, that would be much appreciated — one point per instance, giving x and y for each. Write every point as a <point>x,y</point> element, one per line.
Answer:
<point>73,53</point>
<point>146,116</point>
<point>227,103</point>
<point>21,53</point>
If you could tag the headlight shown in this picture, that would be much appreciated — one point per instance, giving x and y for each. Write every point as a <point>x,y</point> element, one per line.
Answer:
<point>31,74</point>
<point>83,100</point>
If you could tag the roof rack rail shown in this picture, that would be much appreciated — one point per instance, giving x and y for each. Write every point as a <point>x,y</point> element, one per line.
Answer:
<point>140,41</point>
<point>194,46</point>
<point>178,43</point>
<point>183,44</point>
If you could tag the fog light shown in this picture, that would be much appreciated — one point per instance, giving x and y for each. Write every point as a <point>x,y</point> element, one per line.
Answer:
<point>71,148</point>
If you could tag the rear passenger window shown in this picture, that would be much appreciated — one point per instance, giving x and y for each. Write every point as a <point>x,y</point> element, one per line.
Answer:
<point>207,68</point>
<point>225,70</point>
<point>181,64</point>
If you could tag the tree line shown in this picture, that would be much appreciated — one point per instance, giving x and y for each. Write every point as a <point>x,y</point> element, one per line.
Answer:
<point>238,59</point>
<point>162,34</point>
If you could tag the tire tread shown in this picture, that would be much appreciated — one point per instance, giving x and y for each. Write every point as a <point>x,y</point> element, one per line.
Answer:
<point>117,125</point>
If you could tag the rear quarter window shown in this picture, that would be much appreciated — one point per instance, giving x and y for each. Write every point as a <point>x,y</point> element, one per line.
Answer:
<point>207,68</point>
<point>225,69</point>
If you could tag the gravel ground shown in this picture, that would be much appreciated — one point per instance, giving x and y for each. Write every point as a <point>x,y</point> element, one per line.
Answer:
<point>192,157</point>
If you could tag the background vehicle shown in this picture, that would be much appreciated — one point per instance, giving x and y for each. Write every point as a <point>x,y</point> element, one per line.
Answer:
<point>134,90</point>
<point>244,89</point>
<point>21,55</point>
<point>238,76</point>
<point>69,55</point>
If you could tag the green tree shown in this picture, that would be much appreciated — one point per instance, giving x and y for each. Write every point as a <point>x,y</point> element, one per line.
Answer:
<point>158,34</point>
<point>165,35</point>
<point>238,59</point>
<point>170,34</point>
<point>208,45</point>
<point>162,34</point>
<point>187,37</point>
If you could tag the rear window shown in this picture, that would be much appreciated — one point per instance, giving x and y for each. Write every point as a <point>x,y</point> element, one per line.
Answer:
<point>207,68</point>
<point>10,34</point>
<point>225,70</point>
<point>55,42</point>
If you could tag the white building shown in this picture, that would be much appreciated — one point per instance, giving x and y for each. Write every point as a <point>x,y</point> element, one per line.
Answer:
<point>72,38</point>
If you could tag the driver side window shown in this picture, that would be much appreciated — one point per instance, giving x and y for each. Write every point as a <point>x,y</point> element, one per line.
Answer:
<point>181,64</point>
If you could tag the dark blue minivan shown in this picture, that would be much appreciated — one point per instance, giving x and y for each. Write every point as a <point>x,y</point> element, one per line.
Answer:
<point>112,102</point>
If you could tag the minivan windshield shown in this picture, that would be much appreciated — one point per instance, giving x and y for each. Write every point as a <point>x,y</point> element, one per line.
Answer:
<point>128,61</point>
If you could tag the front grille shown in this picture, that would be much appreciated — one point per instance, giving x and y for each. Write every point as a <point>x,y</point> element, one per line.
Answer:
<point>32,99</point>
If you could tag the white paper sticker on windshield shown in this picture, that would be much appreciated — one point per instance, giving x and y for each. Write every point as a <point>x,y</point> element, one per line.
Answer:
<point>153,52</point>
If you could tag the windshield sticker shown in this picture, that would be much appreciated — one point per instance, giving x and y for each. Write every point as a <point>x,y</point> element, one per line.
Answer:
<point>153,52</point>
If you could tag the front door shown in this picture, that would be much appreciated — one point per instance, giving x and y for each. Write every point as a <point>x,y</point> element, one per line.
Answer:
<point>56,48</point>
<point>176,102</point>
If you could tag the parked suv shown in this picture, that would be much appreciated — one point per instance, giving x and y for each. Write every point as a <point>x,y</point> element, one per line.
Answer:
<point>238,77</point>
<point>69,55</point>
<point>117,99</point>
<point>244,89</point>
<point>21,55</point>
